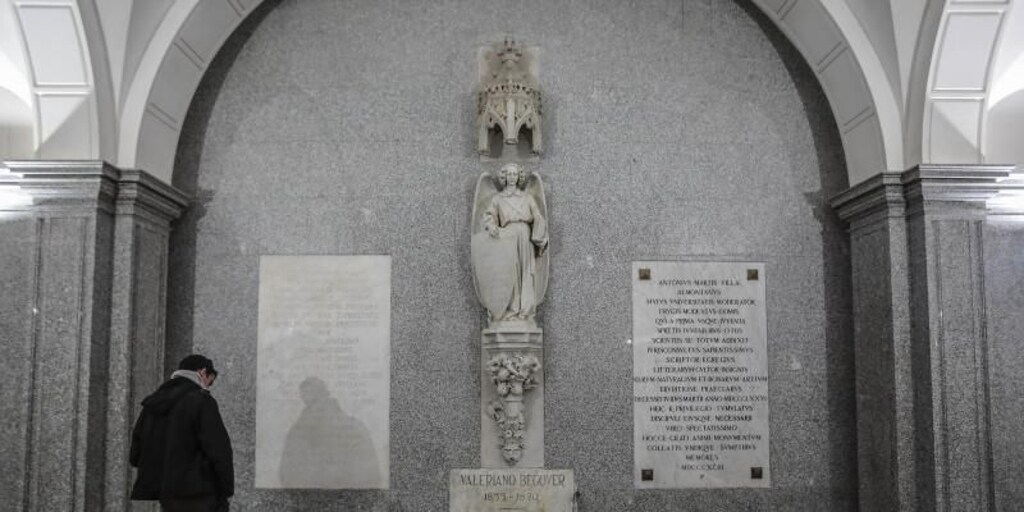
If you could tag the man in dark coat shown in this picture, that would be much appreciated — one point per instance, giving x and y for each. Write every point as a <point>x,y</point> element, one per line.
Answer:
<point>180,446</point>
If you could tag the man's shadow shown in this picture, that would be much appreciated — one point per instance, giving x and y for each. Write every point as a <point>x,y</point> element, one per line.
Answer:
<point>326,448</point>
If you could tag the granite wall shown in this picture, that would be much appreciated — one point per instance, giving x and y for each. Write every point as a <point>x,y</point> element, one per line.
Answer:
<point>673,130</point>
<point>1004,283</point>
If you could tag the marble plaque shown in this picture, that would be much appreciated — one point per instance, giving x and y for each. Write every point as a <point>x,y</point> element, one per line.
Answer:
<point>323,372</point>
<point>700,375</point>
<point>511,490</point>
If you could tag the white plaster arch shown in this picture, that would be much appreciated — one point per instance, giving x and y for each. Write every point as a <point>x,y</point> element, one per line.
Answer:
<point>866,107</point>
<point>171,67</point>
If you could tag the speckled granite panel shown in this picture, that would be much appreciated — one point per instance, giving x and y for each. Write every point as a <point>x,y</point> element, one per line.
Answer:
<point>876,402</point>
<point>921,368</point>
<point>95,373</point>
<point>18,273</point>
<point>674,130</point>
<point>136,362</point>
<point>56,406</point>
<point>950,372</point>
<point>1004,280</point>
<point>882,350</point>
<point>63,422</point>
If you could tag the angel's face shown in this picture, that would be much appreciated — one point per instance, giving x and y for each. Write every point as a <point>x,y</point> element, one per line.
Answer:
<point>511,176</point>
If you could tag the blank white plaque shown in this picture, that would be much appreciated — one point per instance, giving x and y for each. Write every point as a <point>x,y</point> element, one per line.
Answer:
<point>323,372</point>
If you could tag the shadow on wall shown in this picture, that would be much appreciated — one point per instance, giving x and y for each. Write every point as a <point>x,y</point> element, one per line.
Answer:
<point>326,448</point>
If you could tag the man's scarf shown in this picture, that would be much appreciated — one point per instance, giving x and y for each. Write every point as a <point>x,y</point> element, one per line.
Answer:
<point>190,375</point>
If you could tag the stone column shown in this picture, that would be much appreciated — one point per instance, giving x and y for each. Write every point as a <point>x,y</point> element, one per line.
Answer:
<point>885,452</point>
<point>919,330</point>
<point>66,317</point>
<point>144,210</point>
<point>945,219</point>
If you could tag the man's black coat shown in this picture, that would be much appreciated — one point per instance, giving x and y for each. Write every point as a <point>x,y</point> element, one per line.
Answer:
<point>180,445</point>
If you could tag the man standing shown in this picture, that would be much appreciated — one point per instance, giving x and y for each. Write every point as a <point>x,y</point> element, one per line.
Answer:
<point>180,446</point>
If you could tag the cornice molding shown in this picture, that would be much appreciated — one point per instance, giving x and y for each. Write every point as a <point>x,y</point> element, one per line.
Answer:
<point>89,184</point>
<point>882,193</point>
<point>973,186</point>
<point>954,183</point>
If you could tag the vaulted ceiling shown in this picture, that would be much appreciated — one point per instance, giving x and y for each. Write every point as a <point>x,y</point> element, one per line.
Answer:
<point>909,81</point>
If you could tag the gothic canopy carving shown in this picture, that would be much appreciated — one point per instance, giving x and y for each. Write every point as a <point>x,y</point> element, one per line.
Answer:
<point>509,96</point>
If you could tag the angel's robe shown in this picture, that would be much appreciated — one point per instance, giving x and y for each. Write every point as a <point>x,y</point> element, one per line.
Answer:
<point>516,216</point>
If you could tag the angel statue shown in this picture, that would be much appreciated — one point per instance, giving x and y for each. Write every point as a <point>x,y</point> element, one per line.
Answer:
<point>509,245</point>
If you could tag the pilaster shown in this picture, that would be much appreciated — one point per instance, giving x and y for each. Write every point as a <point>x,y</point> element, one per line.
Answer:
<point>919,329</point>
<point>875,210</point>
<point>84,245</point>
<point>946,210</point>
<point>144,210</point>
<point>57,356</point>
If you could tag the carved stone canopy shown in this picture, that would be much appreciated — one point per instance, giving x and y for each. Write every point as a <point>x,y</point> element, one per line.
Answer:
<point>509,96</point>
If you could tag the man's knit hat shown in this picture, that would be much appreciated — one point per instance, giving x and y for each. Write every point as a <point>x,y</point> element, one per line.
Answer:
<point>196,362</point>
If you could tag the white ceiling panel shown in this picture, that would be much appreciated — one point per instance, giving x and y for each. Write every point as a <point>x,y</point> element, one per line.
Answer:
<point>54,44</point>
<point>65,125</point>
<point>966,51</point>
<point>954,130</point>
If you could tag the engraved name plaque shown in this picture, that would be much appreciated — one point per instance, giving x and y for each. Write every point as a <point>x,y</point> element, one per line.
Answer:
<point>511,490</point>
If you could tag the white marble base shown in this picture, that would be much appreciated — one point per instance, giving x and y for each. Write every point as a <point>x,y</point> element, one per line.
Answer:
<point>512,340</point>
<point>511,490</point>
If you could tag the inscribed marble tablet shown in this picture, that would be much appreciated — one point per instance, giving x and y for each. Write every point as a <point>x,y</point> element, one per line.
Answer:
<point>700,375</point>
<point>323,372</point>
<point>511,490</point>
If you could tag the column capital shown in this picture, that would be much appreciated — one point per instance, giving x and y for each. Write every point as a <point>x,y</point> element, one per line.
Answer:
<point>954,183</point>
<point>67,185</point>
<point>876,198</point>
<point>64,185</point>
<point>140,193</point>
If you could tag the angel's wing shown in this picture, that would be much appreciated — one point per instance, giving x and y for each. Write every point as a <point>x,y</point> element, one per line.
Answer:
<point>485,190</point>
<point>535,187</point>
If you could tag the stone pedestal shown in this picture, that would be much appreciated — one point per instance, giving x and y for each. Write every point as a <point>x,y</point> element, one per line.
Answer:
<point>83,249</point>
<point>506,350</point>
<point>920,337</point>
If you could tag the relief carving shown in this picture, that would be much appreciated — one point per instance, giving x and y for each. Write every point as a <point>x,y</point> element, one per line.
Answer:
<point>513,375</point>
<point>509,97</point>
<point>509,244</point>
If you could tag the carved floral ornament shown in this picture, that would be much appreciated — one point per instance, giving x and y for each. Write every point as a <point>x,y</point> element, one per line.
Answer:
<point>513,375</point>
